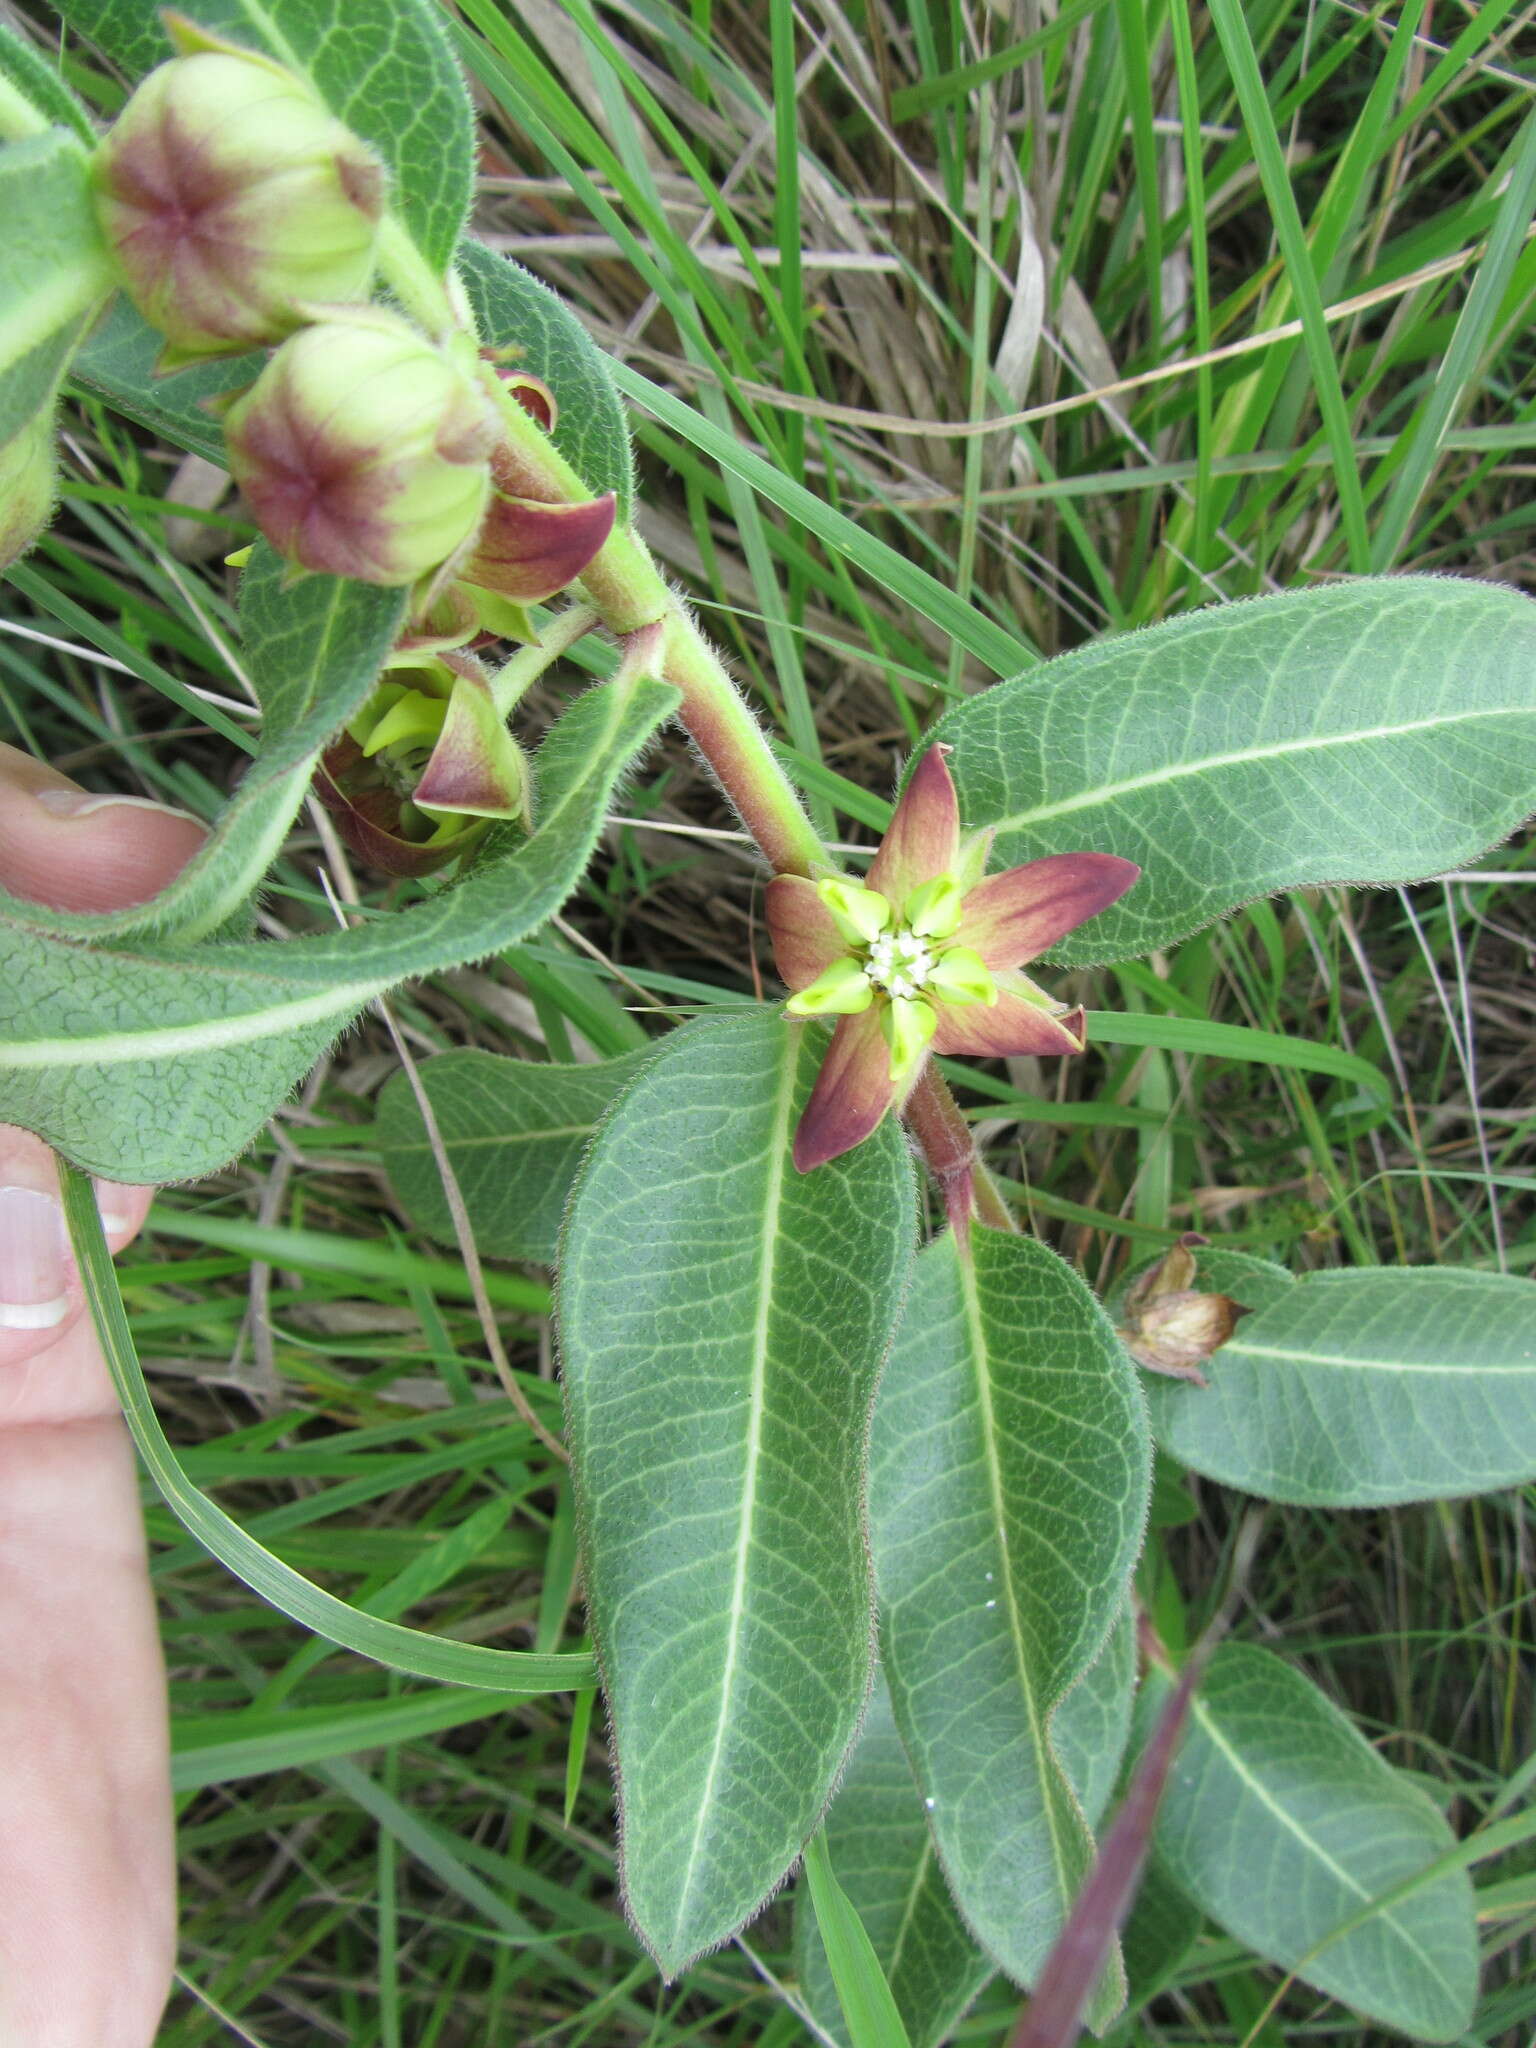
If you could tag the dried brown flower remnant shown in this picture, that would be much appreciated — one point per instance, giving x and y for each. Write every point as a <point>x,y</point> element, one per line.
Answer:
<point>1170,1327</point>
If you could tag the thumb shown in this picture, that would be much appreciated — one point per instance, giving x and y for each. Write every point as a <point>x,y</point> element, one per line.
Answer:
<point>63,846</point>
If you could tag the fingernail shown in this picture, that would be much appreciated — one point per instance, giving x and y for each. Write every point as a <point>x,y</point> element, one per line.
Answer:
<point>114,1221</point>
<point>34,1261</point>
<point>82,803</point>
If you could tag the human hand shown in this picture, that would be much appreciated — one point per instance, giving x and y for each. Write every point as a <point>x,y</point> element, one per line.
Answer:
<point>87,1870</point>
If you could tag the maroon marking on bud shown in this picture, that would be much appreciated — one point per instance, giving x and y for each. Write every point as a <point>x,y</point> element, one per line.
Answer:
<point>202,229</point>
<point>529,552</point>
<point>314,497</point>
<point>362,180</point>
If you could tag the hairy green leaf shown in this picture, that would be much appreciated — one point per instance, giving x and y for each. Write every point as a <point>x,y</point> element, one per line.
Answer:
<point>884,1858</point>
<point>1282,1823</point>
<point>41,86</point>
<point>513,309</point>
<point>1374,731</point>
<point>312,651</point>
<point>159,1063</point>
<point>53,269</point>
<point>1366,1387</point>
<point>382,66</point>
<point>723,1323</point>
<point>117,363</point>
<point>514,1131</point>
<point>882,1849</point>
<point>1009,1478</point>
<point>1093,1723</point>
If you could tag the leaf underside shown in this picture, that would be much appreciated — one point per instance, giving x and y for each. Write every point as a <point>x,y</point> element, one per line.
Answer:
<point>514,1131</point>
<point>1008,1491</point>
<point>1365,1388</point>
<point>723,1320</point>
<point>1375,731</point>
<point>1283,1824</point>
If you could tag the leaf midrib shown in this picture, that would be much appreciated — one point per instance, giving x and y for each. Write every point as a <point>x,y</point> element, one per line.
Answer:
<point>1240,1348</point>
<point>773,1201</point>
<point>983,1378</point>
<point>499,1138</point>
<point>1107,792</point>
<point>1202,1714</point>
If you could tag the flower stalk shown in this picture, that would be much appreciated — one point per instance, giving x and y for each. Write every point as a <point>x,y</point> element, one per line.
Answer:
<point>934,1119</point>
<point>629,592</point>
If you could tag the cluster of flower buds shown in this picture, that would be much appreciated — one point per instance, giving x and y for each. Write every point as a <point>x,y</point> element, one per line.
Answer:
<point>363,450</point>
<point>240,213</point>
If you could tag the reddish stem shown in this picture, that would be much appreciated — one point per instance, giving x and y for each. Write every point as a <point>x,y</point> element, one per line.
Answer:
<point>944,1136</point>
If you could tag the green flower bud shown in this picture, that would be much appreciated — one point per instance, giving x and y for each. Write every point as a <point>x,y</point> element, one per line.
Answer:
<point>908,1028</point>
<point>960,976</point>
<point>363,450</point>
<point>934,910</point>
<point>28,481</point>
<point>230,198</point>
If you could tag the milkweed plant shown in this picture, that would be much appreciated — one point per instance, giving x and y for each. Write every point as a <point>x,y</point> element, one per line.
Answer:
<point>862,1468</point>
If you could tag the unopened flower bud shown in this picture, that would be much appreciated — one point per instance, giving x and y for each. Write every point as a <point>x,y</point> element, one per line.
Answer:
<point>363,450</point>
<point>27,486</point>
<point>231,198</point>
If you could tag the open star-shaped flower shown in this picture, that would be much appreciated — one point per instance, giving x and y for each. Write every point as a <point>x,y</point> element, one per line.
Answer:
<point>924,957</point>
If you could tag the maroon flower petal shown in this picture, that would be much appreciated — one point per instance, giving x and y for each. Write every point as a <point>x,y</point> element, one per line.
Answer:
<point>476,766</point>
<point>528,552</point>
<point>1013,1024</point>
<point>1014,917</point>
<point>367,813</point>
<point>531,393</point>
<point>805,937</point>
<point>853,1092</point>
<point>924,837</point>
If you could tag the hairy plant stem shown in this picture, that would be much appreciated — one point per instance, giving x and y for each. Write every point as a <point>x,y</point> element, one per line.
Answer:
<point>518,675</point>
<point>934,1118</point>
<point>629,593</point>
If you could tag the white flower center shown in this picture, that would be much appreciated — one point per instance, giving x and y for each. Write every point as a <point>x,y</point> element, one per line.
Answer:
<point>900,963</point>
